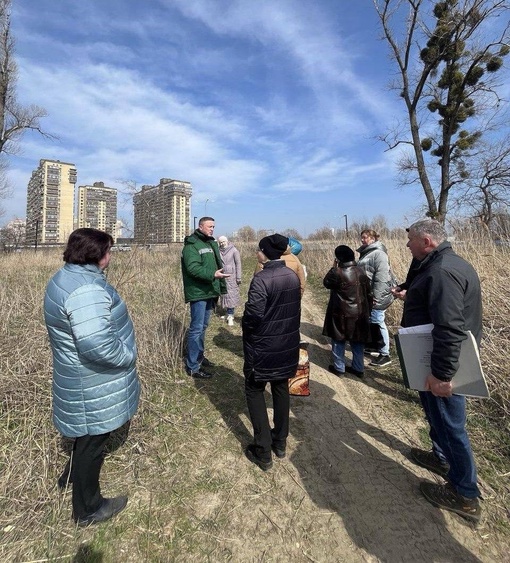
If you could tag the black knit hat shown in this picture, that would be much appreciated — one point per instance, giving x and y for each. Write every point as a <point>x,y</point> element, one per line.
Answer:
<point>344,254</point>
<point>274,246</point>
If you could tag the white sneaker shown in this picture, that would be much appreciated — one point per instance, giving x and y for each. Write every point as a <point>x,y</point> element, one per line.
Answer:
<point>230,320</point>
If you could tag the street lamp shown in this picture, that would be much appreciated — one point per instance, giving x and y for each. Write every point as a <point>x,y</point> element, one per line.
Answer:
<point>346,227</point>
<point>195,223</point>
<point>205,207</point>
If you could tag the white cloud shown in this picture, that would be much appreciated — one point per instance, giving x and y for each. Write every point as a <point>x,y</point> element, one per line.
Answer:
<point>306,33</point>
<point>245,103</point>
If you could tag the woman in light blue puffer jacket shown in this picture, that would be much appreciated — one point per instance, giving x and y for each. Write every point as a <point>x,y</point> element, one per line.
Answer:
<point>95,384</point>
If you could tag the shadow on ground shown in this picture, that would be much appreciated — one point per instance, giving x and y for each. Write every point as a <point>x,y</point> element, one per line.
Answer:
<point>345,464</point>
<point>349,466</point>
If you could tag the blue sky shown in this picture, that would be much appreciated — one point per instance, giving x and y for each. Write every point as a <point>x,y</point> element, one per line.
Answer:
<point>270,109</point>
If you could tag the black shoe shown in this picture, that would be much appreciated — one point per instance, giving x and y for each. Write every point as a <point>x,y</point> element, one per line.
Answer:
<point>201,374</point>
<point>381,361</point>
<point>445,496</point>
<point>333,369</point>
<point>279,452</point>
<point>109,508</point>
<point>252,456</point>
<point>370,351</point>
<point>355,372</point>
<point>206,363</point>
<point>430,461</point>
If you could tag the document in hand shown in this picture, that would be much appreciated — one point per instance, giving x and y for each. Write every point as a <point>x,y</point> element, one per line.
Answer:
<point>414,347</point>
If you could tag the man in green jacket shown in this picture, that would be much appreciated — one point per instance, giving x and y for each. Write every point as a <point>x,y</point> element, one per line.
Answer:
<point>203,280</point>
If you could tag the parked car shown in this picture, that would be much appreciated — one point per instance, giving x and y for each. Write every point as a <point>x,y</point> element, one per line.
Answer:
<point>121,248</point>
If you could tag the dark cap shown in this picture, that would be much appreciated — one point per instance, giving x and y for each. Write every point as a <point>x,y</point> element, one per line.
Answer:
<point>344,254</point>
<point>274,246</point>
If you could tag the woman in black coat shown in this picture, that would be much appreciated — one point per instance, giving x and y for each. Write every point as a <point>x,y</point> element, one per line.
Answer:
<point>348,312</point>
<point>271,348</point>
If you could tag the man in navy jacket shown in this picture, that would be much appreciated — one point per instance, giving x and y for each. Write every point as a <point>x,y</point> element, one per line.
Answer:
<point>444,290</point>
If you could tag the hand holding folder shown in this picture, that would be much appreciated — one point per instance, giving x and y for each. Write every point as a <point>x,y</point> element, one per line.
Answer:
<point>414,347</point>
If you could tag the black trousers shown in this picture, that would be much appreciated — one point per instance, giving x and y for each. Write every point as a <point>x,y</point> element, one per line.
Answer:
<point>264,437</point>
<point>82,470</point>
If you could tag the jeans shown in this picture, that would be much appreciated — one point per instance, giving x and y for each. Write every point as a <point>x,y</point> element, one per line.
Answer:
<point>338,352</point>
<point>200,313</point>
<point>263,436</point>
<point>230,311</point>
<point>447,419</point>
<point>377,317</point>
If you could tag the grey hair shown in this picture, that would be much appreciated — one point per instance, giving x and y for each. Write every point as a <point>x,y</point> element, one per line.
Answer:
<point>429,227</point>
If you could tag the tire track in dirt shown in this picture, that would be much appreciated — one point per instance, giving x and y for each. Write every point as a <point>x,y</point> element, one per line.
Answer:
<point>348,449</point>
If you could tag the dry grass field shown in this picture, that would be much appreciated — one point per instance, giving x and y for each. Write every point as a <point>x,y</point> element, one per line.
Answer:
<point>193,496</point>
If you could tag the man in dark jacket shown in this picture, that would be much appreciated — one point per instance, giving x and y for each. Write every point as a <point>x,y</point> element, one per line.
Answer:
<point>271,348</point>
<point>444,290</point>
<point>203,280</point>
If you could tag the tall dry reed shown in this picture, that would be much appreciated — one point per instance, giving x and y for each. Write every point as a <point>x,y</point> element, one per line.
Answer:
<point>31,452</point>
<point>174,418</point>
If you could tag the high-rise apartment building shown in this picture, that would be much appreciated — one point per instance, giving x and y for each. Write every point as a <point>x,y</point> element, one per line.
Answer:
<point>50,203</point>
<point>97,208</point>
<point>119,229</point>
<point>162,212</point>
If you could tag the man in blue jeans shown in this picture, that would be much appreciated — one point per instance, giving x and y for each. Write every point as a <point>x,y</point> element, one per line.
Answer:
<point>204,282</point>
<point>444,290</point>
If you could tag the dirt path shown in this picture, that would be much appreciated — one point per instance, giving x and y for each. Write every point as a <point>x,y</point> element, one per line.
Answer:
<point>348,474</point>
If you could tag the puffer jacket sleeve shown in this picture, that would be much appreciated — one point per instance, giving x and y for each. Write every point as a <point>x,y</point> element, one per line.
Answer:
<point>255,307</point>
<point>96,338</point>
<point>237,262</point>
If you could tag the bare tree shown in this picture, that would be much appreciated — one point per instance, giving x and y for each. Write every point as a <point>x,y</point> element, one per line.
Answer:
<point>378,223</point>
<point>293,233</point>
<point>5,187</point>
<point>12,236</point>
<point>15,119</point>
<point>486,190</point>
<point>261,233</point>
<point>246,234</point>
<point>324,233</point>
<point>126,194</point>
<point>448,70</point>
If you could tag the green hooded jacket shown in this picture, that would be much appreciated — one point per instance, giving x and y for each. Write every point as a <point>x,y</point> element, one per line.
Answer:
<point>199,261</point>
